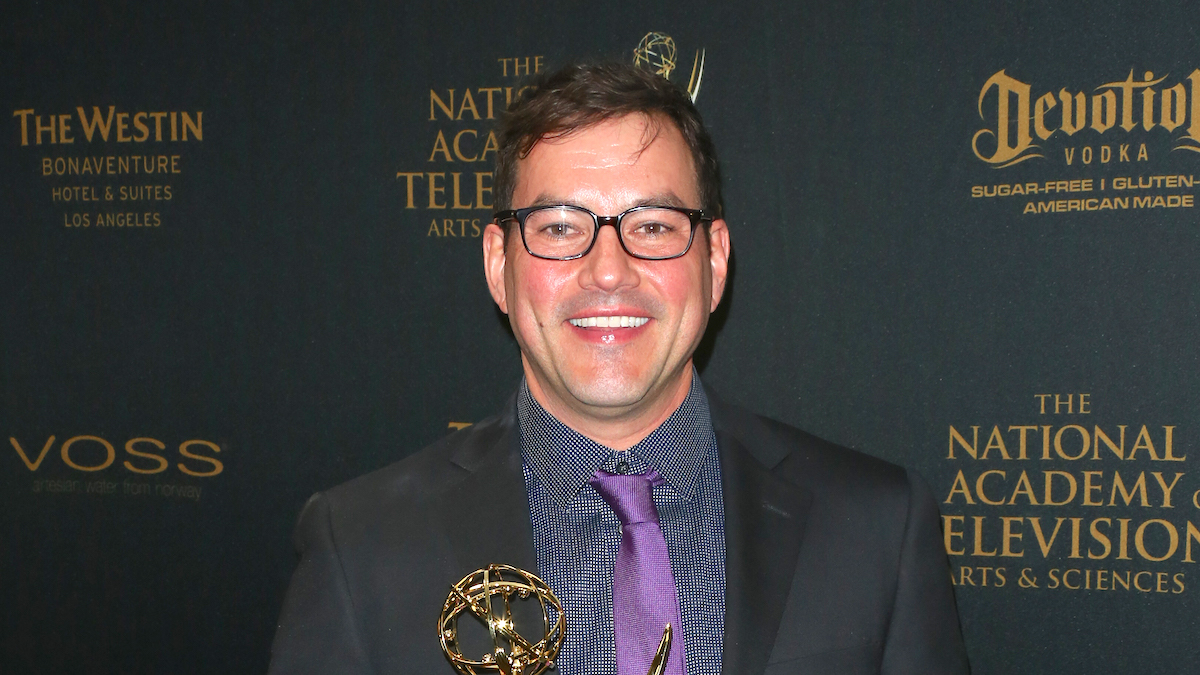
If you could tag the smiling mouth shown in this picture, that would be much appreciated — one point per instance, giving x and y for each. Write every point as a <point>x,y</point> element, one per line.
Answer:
<point>609,321</point>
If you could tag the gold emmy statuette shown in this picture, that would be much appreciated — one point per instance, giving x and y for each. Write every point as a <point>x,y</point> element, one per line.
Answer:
<point>512,653</point>
<point>660,657</point>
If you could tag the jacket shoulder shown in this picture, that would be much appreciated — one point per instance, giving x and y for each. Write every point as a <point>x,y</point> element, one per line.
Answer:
<point>804,459</point>
<point>424,474</point>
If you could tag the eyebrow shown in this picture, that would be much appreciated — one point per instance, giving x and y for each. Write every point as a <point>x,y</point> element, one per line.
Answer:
<point>659,199</point>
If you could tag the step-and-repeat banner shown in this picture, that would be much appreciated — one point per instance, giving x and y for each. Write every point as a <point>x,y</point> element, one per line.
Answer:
<point>240,262</point>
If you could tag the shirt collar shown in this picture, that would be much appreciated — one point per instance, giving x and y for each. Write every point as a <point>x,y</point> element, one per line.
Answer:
<point>564,459</point>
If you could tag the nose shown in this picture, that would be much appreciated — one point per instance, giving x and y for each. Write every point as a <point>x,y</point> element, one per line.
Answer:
<point>607,266</point>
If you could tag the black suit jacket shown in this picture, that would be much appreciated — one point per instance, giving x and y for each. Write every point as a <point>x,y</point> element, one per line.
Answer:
<point>834,562</point>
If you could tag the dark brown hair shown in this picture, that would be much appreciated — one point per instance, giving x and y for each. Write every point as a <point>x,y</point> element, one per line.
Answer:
<point>579,96</point>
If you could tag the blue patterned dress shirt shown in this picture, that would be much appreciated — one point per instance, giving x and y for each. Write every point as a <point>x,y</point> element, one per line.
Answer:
<point>576,535</point>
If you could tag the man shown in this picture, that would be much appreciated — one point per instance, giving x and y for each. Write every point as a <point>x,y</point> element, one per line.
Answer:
<point>786,553</point>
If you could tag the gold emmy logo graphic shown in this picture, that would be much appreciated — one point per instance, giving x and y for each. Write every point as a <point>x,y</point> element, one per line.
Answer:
<point>473,594</point>
<point>656,52</point>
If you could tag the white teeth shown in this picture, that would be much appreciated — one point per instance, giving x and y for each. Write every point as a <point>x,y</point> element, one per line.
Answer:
<point>610,321</point>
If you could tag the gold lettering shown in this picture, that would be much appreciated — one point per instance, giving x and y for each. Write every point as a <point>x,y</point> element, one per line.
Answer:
<point>1074,114</point>
<point>1024,488</point>
<point>64,129</point>
<point>158,118</point>
<point>1058,400</point>
<point>97,122</point>
<point>1098,435</point>
<point>139,123</point>
<point>1037,533</point>
<point>1045,103</point>
<point>1100,537</point>
<point>1137,581</point>
<point>1127,495</point>
<point>1075,537</point>
<point>1169,433</point>
<point>949,534</point>
<point>1172,534</point>
<point>1148,104</point>
<point>435,100</point>
<point>482,192</point>
<point>1066,575</point>
<point>440,145</point>
<point>971,449</point>
<point>1022,430</point>
<point>1042,399</point>
<point>1143,442</point>
<point>959,487</point>
<point>457,150</point>
<point>111,454</point>
<point>1193,133</point>
<point>995,440</point>
<point>217,467</point>
<point>39,128</point>
<point>979,539</point>
<point>159,459</point>
<point>409,176</point>
<point>468,103</point>
<point>33,466</point>
<point>1048,499</point>
<point>1008,535</point>
<point>490,145</point>
<point>1126,88</point>
<point>1104,111</point>
<point>1089,488</point>
<point>1086,442</point>
<point>1123,554</point>
<point>24,115</point>
<point>196,126</point>
<point>123,128</point>
<point>489,91</point>
<point>456,191</point>
<point>979,488</point>
<point>435,190</point>
<point>1007,153</point>
<point>1166,489</point>
<point>1191,534</point>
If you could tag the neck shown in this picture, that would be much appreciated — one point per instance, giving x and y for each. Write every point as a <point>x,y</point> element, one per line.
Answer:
<point>617,428</point>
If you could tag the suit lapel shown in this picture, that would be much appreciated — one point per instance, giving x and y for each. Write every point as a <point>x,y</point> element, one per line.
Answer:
<point>487,513</point>
<point>764,524</point>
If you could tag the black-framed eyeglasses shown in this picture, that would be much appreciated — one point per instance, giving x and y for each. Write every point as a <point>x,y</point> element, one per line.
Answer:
<point>562,232</point>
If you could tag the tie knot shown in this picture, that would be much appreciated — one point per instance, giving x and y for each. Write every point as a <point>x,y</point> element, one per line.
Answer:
<point>631,497</point>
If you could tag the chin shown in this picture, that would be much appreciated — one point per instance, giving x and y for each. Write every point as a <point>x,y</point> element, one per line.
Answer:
<point>609,392</point>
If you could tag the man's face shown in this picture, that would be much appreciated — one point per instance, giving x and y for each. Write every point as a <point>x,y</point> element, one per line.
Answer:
<point>656,311</point>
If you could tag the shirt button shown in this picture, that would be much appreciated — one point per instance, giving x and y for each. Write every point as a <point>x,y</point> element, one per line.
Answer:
<point>622,467</point>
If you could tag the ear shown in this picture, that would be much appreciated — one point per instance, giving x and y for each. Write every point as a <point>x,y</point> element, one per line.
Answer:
<point>718,254</point>
<point>493,264</point>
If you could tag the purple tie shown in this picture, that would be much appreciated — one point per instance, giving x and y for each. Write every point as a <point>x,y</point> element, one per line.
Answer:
<point>644,599</point>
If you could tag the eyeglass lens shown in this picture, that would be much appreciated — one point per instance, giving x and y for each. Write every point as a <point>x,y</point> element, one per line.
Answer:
<point>563,232</point>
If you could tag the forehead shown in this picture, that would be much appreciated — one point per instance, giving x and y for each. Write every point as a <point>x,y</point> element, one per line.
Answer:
<point>611,165</point>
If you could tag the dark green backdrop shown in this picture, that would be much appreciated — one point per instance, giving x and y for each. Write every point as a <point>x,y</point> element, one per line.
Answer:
<point>293,313</point>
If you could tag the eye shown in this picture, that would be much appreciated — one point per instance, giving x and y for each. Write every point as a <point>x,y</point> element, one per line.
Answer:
<point>652,224</point>
<point>654,228</point>
<point>558,225</point>
<point>557,230</point>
